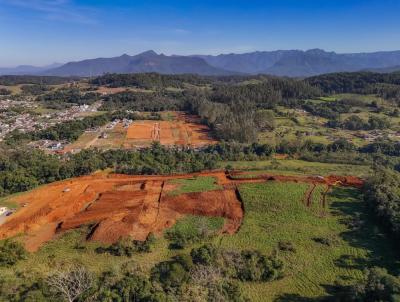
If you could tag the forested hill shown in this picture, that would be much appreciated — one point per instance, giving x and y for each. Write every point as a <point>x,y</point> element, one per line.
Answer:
<point>385,85</point>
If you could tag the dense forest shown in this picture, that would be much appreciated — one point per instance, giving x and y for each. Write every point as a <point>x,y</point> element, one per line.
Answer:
<point>386,85</point>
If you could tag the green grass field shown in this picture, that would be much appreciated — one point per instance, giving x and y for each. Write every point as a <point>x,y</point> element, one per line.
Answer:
<point>190,225</point>
<point>275,212</point>
<point>195,184</point>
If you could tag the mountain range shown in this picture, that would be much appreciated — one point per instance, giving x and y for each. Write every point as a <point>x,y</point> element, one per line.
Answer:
<point>27,69</point>
<point>292,63</point>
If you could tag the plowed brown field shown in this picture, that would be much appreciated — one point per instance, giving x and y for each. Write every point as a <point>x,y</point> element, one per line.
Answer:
<point>117,206</point>
<point>186,130</point>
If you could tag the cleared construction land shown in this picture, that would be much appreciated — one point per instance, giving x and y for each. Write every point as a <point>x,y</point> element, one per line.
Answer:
<point>180,129</point>
<point>117,206</point>
<point>184,130</point>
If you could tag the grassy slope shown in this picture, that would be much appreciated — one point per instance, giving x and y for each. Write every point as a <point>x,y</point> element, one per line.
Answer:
<point>275,211</point>
<point>293,166</point>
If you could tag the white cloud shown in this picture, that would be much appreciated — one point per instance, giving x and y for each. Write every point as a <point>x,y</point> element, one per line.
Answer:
<point>59,10</point>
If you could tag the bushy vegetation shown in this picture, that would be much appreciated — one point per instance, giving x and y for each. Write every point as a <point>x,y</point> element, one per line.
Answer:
<point>378,285</point>
<point>354,122</point>
<point>382,194</point>
<point>5,91</point>
<point>128,247</point>
<point>35,89</point>
<point>11,252</point>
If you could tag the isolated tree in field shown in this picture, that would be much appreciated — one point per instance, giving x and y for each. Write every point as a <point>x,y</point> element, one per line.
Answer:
<point>71,283</point>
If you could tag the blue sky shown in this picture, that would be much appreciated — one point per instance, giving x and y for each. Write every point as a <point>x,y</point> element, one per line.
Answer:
<point>40,32</point>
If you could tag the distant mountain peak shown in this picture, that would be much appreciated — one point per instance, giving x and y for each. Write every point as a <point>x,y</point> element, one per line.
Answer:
<point>148,53</point>
<point>319,52</point>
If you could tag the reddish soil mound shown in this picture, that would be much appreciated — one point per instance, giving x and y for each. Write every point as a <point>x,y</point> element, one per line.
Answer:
<point>219,203</point>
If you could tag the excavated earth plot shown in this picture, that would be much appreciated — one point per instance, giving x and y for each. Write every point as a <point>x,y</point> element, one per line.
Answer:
<point>185,130</point>
<point>117,206</point>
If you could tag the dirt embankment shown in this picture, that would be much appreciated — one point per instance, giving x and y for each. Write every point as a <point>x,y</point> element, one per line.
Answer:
<point>117,206</point>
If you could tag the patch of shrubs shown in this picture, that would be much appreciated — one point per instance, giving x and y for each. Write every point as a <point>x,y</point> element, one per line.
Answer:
<point>255,266</point>
<point>4,91</point>
<point>172,273</point>
<point>286,246</point>
<point>331,241</point>
<point>246,265</point>
<point>204,255</point>
<point>216,271</point>
<point>377,286</point>
<point>128,247</point>
<point>180,240</point>
<point>11,252</point>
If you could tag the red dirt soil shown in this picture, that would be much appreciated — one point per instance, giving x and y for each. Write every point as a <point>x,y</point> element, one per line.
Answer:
<point>186,130</point>
<point>120,205</point>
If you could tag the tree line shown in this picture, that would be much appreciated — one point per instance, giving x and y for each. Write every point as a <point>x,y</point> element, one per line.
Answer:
<point>65,97</point>
<point>11,80</point>
<point>386,85</point>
